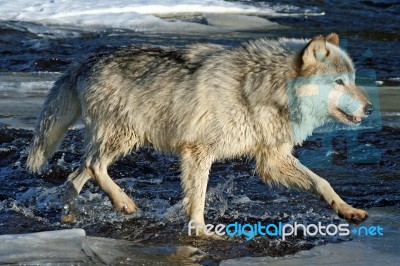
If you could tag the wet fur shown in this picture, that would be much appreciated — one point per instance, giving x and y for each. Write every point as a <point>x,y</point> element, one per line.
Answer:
<point>203,102</point>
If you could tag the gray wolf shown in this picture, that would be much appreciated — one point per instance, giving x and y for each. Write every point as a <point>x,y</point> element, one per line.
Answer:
<point>204,102</point>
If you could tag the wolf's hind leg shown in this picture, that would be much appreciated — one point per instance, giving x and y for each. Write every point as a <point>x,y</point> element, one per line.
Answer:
<point>107,143</point>
<point>195,165</point>
<point>278,165</point>
<point>73,186</point>
<point>77,179</point>
<point>121,201</point>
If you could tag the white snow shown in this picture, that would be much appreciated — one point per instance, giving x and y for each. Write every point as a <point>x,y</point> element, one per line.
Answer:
<point>139,15</point>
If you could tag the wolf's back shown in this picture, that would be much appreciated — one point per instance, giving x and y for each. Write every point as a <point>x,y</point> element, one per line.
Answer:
<point>60,109</point>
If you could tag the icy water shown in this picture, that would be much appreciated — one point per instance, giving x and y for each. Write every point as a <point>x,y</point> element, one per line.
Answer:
<point>362,166</point>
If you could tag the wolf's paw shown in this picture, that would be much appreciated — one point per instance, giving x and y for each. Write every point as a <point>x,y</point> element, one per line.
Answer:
<point>128,207</point>
<point>68,218</point>
<point>69,211</point>
<point>349,213</point>
<point>124,204</point>
<point>353,215</point>
<point>69,214</point>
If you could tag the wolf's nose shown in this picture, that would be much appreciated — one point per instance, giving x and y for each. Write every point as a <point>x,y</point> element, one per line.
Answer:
<point>368,109</point>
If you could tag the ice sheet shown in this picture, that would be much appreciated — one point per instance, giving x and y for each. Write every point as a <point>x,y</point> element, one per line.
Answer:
<point>58,246</point>
<point>72,246</point>
<point>140,15</point>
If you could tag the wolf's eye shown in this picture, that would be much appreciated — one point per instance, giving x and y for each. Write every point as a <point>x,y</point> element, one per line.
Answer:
<point>339,81</point>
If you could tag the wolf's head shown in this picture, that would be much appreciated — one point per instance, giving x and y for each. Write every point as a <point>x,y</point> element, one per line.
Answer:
<point>328,79</point>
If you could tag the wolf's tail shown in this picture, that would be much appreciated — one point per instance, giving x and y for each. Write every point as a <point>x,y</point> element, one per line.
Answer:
<point>61,109</point>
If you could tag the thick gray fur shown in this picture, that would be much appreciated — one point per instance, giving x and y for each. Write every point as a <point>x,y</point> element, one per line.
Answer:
<point>203,102</point>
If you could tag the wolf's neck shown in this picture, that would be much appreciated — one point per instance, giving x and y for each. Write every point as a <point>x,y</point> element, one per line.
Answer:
<point>301,131</point>
<point>304,119</point>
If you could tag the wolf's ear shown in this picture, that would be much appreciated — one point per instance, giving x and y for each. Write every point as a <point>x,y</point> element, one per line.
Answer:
<point>333,38</point>
<point>314,51</point>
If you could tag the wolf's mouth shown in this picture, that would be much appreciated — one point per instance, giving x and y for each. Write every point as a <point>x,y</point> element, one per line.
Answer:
<point>350,118</point>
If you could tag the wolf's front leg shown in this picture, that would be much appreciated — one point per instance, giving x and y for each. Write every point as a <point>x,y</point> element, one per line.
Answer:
<point>278,165</point>
<point>195,166</point>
